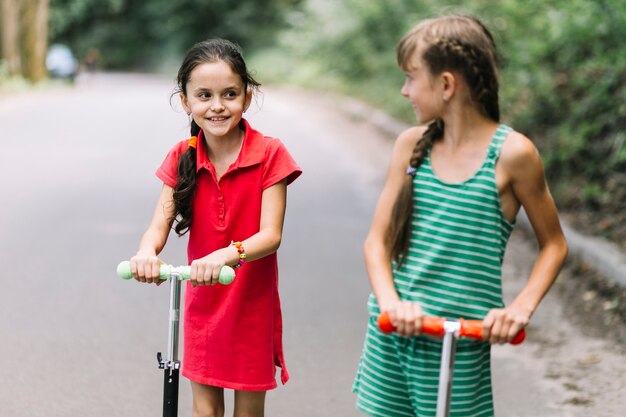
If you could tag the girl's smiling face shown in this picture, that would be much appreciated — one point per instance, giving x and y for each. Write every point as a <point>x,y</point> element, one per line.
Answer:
<point>215,97</point>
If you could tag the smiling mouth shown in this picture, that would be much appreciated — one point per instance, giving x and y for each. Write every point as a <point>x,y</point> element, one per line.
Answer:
<point>217,119</point>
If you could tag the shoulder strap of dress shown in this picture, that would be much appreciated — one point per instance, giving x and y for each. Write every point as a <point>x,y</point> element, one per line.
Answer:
<point>498,139</point>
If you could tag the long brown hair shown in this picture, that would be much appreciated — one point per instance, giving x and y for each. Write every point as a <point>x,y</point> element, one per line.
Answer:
<point>459,44</point>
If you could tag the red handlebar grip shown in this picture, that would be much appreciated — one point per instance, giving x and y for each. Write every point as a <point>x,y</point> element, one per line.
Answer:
<point>384,323</point>
<point>519,338</point>
<point>430,325</point>
<point>433,326</point>
<point>474,330</point>
<point>471,328</point>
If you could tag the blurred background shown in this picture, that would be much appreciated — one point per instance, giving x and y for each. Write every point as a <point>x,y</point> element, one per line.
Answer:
<point>563,79</point>
<point>86,115</point>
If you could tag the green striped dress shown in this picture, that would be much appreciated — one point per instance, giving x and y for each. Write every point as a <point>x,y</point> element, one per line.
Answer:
<point>453,269</point>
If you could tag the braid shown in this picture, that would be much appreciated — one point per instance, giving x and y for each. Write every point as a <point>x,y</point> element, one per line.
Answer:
<point>476,66</point>
<point>433,133</point>
<point>482,80</point>
<point>399,231</point>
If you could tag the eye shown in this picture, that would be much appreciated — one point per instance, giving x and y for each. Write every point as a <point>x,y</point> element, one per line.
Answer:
<point>231,94</point>
<point>204,95</point>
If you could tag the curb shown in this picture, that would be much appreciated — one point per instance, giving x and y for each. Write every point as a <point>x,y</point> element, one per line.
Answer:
<point>601,254</point>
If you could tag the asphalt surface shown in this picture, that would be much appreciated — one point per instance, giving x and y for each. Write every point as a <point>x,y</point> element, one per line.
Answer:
<point>77,169</point>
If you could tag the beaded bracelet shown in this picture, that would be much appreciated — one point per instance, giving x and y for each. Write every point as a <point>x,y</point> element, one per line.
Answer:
<point>242,254</point>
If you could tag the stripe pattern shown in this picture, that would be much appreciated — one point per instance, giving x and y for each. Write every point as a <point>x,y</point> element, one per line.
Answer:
<point>453,269</point>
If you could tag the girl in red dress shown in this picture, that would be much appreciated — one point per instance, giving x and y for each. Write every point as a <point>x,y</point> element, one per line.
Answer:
<point>227,186</point>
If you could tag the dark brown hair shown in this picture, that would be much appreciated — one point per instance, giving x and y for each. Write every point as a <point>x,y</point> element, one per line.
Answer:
<point>212,50</point>
<point>458,44</point>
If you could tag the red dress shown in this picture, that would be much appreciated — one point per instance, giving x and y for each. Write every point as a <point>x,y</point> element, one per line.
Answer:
<point>233,333</point>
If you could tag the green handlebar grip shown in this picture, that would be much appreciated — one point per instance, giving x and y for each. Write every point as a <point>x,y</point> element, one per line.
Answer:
<point>227,274</point>
<point>165,272</point>
<point>123,270</point>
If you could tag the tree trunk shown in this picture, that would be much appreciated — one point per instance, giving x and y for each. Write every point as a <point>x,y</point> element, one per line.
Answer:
<point>10,35</point>
<point>34,39</point>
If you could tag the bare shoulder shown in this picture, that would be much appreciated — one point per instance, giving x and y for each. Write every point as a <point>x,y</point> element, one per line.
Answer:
<point>406,141</point>
<point>520,154</point>
<point>403,147</point>
<point>410,136</point>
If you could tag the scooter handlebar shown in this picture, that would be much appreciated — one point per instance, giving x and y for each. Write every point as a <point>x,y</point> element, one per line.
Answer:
<point>434,326</point>
<point>227,274</point>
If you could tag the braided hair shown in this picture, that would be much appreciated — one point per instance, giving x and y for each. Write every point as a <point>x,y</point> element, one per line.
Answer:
<point>212,50</point>
<point>459,44</point>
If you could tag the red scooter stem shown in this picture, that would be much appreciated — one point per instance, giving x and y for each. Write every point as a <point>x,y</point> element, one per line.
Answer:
<point>434,326</point>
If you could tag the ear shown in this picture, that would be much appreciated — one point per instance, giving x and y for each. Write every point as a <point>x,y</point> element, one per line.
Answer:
<point>184,102</point>
<point>248,100</point>
<point>449,85</point>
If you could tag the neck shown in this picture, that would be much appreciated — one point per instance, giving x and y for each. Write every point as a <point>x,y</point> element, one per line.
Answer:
<point>463,128</point>
<point>225,145</point>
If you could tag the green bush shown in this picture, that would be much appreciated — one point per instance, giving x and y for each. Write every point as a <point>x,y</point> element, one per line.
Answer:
<point>563,80</point>
<point>141,34</point>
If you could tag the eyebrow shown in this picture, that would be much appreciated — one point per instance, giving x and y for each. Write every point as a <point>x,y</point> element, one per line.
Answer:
<point>202,89</point>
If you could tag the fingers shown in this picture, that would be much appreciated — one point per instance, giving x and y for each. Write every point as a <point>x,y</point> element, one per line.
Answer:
<point>488,324</point>
<point>498,327</point>
<point>205,272</point>
<point>502,325</point>
<point>145,268</point>
<point>407,318</point>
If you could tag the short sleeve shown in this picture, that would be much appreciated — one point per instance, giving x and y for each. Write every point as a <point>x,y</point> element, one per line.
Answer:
<point>168,171</point>
<point>279,165</point>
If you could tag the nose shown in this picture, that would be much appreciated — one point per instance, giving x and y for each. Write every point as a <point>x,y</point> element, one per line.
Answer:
<point>216,105</point>
<point>404,90</point>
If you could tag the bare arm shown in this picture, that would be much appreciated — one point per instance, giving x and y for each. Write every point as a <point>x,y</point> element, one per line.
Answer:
<point>522,164</point>
<point>145,264</point>
<point>405,316</point>
<point>205,271</point>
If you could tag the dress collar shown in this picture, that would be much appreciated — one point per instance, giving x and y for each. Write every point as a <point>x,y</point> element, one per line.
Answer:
<point>252,150</point>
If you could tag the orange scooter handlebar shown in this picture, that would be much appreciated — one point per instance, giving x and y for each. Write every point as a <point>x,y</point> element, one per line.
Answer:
<point>433,326</point>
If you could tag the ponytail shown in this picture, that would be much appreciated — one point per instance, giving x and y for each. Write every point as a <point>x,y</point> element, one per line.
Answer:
<point>186,185</point>
<point>195,129</point>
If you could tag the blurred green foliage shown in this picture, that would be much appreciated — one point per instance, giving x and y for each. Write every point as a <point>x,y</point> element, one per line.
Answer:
<point>563,81</point>
<point>145,34</point>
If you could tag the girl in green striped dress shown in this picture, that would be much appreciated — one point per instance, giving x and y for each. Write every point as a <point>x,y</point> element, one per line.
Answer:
<point>438,236</point>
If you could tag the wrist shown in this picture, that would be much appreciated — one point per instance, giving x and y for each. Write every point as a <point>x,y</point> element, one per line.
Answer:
<point>387,303</point>
<point>146,252</point>
<point>524,308</point>
<point>241,254</point>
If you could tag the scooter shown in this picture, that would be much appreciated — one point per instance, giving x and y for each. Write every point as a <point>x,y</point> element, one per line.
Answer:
<point>171,365</point>
<point>450,331</point>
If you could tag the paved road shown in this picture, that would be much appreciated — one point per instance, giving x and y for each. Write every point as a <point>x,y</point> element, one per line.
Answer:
<point>77,169</point>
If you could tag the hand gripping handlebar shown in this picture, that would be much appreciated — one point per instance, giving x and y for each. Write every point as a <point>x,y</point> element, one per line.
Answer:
<point>227,274</point>
<point>435,326</point>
